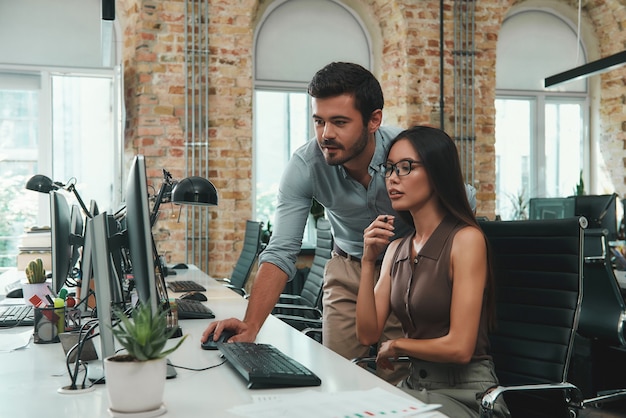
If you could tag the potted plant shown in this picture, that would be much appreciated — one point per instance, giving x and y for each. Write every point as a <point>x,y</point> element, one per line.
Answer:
<point>36,276</point>
<point>135,380</point>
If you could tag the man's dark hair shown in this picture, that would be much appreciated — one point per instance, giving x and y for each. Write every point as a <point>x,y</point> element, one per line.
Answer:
<point>347,78</point>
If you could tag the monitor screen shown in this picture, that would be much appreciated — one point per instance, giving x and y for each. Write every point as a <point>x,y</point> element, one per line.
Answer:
<point>600,211</point>
<point>61,248</point>
<point>551,207</point>
<point>139,233</point>
<point>93,208</point>
<point>76,237</point>
<point>102,277</point>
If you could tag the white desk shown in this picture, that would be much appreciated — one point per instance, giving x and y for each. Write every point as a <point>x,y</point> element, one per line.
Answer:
<point>30,377</point>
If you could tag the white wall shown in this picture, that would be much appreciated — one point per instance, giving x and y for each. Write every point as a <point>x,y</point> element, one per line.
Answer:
<point>59,32</point>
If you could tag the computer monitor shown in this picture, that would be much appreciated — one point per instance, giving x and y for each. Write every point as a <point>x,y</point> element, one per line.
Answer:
<point>600,211</point>
<point>77,235</point>
<point>139,234</point>
<point>93,208</point>
<point>61,248</point>
<point>102,277</point>
<point>86,270</point>
<point>551,207</point>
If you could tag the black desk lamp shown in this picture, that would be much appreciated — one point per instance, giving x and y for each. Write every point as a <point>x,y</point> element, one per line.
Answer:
<point>196,191</point>
<point>43,184</point>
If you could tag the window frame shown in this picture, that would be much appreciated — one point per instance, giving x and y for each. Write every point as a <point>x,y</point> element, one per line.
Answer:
<point>45,136</point>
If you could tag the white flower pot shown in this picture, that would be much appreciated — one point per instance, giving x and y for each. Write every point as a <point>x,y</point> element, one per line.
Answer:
<point>135,386</point>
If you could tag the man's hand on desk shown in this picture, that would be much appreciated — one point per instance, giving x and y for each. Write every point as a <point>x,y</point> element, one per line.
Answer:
<point>243,332</point>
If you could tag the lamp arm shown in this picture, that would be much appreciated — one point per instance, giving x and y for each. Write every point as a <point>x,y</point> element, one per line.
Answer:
<point>72,189</point>
<point>167,184</point>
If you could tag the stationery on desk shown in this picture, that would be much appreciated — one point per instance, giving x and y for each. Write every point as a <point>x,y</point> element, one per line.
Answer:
<point>218,390</point>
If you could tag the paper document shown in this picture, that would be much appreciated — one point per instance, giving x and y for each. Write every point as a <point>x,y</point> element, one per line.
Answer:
<point>370,403</point>
<point>15,338</point>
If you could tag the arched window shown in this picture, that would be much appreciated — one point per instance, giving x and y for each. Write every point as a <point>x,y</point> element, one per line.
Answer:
<point>294,39</point>
<point>541,133</point>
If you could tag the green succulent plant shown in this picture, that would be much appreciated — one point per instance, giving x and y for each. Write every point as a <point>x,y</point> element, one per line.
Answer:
<point>144,334</point>
<point>35,273</point>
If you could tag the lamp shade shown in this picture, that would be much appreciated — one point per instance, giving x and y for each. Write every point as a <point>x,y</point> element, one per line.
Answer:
<point>41,183</point>
<point>194,190</point>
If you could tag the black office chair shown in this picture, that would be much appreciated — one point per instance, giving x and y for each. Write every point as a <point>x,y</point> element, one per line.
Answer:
<point>305,310</point>
<point>538,269</point>
<point>247,258</point>
<point>538,277</point>
<point>602,321</point>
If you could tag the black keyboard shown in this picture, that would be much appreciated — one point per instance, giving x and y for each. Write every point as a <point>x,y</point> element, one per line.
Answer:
<point>185,286</point>
<point>193,309</point>
<point>264,366</point>
<point>16,315</point>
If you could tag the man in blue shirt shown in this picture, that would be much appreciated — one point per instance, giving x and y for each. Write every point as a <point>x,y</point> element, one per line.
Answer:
<point>340,169</point>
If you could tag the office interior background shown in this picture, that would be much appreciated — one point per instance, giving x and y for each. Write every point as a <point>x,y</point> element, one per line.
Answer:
<point>218,89</point>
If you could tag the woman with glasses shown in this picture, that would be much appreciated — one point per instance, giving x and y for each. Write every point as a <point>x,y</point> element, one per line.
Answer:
<point>437,280</point>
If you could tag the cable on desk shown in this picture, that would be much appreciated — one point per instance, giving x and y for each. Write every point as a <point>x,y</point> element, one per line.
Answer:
<point>84,335</point>
<point>199,370</point>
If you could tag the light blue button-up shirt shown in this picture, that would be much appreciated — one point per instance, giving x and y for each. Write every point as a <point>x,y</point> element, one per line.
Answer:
<point>349,206</point>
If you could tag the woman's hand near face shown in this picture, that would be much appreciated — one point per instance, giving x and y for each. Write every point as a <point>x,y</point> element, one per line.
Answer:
<point>377,237</point>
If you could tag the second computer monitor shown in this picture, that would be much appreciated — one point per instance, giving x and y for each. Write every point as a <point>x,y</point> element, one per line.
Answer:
<point>139,233</point>
<point>61,246</point>
<point>551,207</point>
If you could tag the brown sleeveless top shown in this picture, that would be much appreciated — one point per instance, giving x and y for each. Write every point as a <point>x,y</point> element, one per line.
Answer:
<point>421,288</point>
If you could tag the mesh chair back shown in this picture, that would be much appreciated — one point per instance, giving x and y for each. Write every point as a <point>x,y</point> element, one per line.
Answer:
<point>312,288</point>
<point>538,274</point>
<point>248,256</point>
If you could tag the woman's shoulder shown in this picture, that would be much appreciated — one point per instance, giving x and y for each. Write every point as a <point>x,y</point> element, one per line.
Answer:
<point>469,234</point>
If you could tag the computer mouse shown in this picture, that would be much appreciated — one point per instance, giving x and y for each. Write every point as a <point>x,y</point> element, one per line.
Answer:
<point>194,296</point>
<point>180,266</point>
<point>15,293</point>
<point>212,345</point>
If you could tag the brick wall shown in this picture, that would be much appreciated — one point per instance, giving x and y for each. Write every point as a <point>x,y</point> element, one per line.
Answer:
<point>408,70</point>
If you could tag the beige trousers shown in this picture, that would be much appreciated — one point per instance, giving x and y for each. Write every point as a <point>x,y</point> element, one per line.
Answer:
<point>341,285</point>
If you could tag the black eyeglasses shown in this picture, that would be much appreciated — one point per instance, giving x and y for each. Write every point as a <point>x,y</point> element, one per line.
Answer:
<point>402,168</point>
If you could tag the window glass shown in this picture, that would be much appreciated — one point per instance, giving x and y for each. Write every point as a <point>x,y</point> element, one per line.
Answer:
<point>281,126</point>
<point>513,150</point>
<point>286,57</point>
<point>53,127</point>
<point>540,133</point>
<point>563,147</point>
<point>19,112</point>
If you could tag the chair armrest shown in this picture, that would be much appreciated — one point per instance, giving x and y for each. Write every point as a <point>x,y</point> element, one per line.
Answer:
<point>222,280</point>
<point>305,322</point>
<point>313,333</point>
<point>288,297</point>
<point>236,289</point>
<point>489,398</point>
<point>605,396</point>
<point>300,310</point>
<point>359,360</point>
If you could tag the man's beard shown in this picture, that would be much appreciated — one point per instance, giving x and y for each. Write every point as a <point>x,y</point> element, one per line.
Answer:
<point>349,154</point>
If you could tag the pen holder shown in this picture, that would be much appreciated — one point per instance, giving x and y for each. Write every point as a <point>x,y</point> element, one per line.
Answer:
<point>47,323</point>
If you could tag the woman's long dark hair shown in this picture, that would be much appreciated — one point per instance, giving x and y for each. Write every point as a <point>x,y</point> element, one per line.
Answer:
<point>440,159</point>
